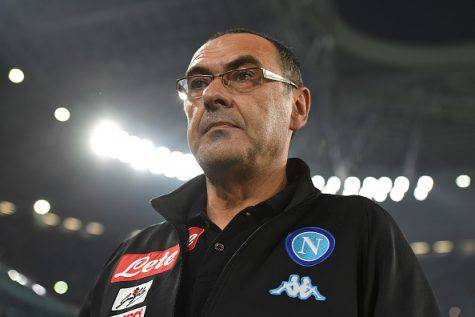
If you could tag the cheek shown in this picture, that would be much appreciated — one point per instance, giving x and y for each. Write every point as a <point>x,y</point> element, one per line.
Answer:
<point>192,116</point>
<point>259,121</point>
<point>271,116</point>
<point>189,110</point>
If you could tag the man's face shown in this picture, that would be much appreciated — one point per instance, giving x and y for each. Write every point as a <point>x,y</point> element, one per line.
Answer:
<point>260,117</point>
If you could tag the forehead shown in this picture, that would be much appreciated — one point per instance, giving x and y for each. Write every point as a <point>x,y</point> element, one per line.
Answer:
<point>216,53</point>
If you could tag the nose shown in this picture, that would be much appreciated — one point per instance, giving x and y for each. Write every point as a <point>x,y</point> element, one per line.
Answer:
<point>216,95</point>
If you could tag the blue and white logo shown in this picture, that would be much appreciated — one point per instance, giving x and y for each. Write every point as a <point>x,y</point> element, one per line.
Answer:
<point>310,245</point>
<point>298,287</point>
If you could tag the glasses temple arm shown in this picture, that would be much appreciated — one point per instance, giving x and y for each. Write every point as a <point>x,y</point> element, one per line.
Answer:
<point>270,75</point>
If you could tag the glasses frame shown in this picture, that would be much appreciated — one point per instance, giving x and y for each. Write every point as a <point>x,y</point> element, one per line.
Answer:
<point>267,74</point>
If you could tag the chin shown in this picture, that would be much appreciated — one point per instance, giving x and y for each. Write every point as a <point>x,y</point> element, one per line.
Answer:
<point>220,157</point>
<point>222,152</point>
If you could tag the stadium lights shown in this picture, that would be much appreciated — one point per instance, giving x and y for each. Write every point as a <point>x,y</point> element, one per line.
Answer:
<point>401,183</point>
<point>426,183</point>
<point>38,289</point>
<point>7,208</point>
<point>318,182</point>
<point>385,183</point>
<point>108,140</point>
<point>51,219</point>
<point>442,247</point>
<point>332,186</point>
<point>72,224</point>
<point>62,114</point>
<point>382,188</point>
<point>13,275</point>
<point>95,228</point>
<point>462,181</point>
<point>22,280</point>
<point>60,287</point>
<point>420,194</point>
<point>42,207</point>
<point>16,75</point>
<point>351,186</point>
<point>378,189</point>
<point>420,248</point>
<point>19,278</point>
<point>396,196</point>
<point>400,187</point>
<point>369,187</point>
<point>424,186</point>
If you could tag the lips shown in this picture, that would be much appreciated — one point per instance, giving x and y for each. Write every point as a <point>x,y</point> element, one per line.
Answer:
<point>219,123</point>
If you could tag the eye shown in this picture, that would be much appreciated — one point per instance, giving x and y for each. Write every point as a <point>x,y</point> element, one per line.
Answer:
<point>198,82</point>
<point>244,75</point>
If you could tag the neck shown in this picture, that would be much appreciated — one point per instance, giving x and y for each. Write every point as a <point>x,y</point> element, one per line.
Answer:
<point>231,193</point>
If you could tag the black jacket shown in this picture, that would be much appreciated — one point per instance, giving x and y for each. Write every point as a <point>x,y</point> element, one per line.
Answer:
<point>324,255</point>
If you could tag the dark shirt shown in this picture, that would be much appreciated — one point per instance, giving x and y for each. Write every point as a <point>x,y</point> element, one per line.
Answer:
<point>214,247</point>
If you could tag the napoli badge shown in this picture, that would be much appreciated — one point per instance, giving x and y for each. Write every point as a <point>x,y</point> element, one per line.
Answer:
<point>309,246</point>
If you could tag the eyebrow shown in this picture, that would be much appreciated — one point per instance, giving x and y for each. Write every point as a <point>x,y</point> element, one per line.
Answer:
<point>238,62</point>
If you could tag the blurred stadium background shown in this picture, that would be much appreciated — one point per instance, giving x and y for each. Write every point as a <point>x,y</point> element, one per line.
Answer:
<point>91,127</point>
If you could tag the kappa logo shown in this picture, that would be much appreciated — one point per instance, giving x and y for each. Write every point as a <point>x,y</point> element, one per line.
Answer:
<point>131,296</point>
<point>138,312</point>
<point>136,266</point>
<point>193,234</point>
<point>296,287</point>
<point>310,245</point>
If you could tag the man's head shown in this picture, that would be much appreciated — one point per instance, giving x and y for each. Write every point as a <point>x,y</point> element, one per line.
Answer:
<point>287,59</point>
<point>261,121</point>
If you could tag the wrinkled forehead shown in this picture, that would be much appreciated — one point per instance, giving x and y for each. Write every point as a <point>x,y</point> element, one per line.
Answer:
<point>216,54</point>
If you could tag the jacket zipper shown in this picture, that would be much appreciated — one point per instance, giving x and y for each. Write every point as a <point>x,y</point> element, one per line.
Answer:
<point>210,303</point>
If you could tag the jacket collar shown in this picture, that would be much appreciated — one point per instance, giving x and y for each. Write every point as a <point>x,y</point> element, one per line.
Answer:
<point>175,206</point>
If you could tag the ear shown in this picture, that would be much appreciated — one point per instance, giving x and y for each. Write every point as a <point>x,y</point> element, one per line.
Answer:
<point>301,101</point>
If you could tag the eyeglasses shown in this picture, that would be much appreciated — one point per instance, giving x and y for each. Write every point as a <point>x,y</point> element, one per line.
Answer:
<point>239,80</point>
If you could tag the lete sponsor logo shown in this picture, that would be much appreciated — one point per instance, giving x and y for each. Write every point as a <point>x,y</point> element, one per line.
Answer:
<point>193,235</point>
<point>136,266</point>
<point>131,296</point>
<point>139,312</point>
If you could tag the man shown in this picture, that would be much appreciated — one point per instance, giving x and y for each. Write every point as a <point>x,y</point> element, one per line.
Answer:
<point>252,236</point>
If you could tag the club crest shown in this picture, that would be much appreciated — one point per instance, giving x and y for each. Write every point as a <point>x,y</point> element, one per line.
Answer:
<point>309,246</point>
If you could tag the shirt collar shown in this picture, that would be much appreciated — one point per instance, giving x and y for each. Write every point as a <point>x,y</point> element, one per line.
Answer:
<point>176,206</point>
<point>261,210</point>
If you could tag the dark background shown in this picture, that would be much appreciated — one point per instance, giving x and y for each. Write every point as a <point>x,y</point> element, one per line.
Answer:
<point>393,86</point>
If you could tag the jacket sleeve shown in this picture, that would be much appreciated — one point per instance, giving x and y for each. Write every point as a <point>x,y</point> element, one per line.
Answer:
<point>86,309</point>
<point>393,281</point>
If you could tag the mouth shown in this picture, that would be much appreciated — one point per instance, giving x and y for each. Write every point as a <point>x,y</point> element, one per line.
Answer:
<point>220,125</point>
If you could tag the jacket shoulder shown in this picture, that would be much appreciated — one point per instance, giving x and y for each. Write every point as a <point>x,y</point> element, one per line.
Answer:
<point>161,231</point>
<point>351,206</point>
<point>354,204</point>
<point>354,210</point>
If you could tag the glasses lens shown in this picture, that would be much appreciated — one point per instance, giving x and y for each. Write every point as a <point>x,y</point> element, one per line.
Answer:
<point>244,79</point>
<point>181,89</point>
<point>196,84</point>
